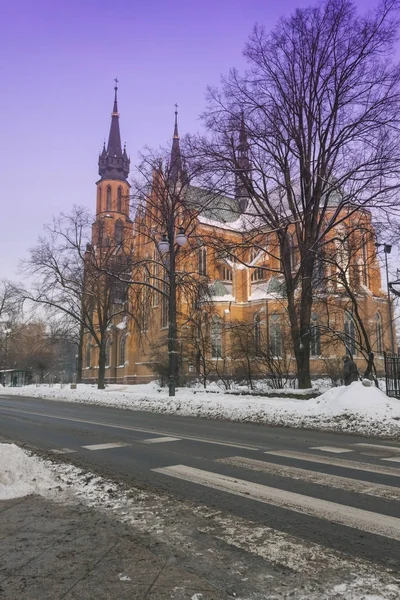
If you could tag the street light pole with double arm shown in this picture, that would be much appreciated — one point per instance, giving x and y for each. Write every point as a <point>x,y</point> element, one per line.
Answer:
<point>387,248</point>
<point>170,244</point>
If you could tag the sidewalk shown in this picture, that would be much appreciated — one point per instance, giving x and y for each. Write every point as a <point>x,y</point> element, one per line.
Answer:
<point>51,551</point>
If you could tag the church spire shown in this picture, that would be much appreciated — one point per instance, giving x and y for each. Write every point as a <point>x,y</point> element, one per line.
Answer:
<point>176,170</point>
<point>113,163</point>
<point>243,160</point>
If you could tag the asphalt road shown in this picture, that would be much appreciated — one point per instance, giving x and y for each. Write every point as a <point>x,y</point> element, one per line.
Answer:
<point>326,488</point>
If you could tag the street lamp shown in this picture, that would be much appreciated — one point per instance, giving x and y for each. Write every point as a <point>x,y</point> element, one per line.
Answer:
<point>167,244</point>
<point>7,332</point>
<point>387,248</point>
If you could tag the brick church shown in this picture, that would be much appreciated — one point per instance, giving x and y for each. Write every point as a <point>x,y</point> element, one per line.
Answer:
<point>246,292</point>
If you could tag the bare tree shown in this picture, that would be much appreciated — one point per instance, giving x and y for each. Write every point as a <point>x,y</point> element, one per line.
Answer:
<point>10,302</point>
<point>320,102</point>
<point>345,266</point>
<point>82,280</point>
<point>166,207</point>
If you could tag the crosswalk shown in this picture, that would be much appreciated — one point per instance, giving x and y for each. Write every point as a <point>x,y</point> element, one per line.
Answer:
<point>349,516</point>
<point>316,477</point>
<point>352,476</point>
<point>311,503</point>
<point>319,510</point>
<point>313,510</point>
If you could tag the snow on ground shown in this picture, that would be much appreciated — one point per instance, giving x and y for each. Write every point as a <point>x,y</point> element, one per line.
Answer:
<point>320,573</point>
<point>22,474</point>
<point>352,409</point>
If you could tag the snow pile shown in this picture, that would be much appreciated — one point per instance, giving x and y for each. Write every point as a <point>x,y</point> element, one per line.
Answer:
<point>353,409</point>
<point>22,474</point>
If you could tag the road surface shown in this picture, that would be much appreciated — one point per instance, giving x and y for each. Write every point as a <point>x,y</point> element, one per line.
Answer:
<point>339,491</point>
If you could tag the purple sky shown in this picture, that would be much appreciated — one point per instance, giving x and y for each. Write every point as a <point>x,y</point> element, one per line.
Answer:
<point>58,61</point>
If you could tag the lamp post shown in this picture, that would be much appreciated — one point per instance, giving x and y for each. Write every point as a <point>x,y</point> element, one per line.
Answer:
<point>387,248</point>
<point>167,245</point>
<point>7,332</point>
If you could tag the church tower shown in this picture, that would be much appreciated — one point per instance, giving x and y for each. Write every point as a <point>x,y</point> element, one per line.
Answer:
<point>113,187</point>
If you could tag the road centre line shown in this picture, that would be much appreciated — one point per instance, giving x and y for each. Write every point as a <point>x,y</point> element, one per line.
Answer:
<point>128,428</point>
<point>160,440</point>
<point>336,462</point>
<point>333,481</point>
<point>348,516</point>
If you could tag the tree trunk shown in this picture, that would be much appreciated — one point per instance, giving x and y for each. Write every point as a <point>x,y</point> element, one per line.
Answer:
<point>79,361</point>
<point>303,368</point>
<point>300,321</point>
<point>172,331</point>
<point>102,368</point>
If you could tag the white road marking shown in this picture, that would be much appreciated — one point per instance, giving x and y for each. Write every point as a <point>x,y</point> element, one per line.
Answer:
<point>336,462</point>
<point>378,447</point>
<point>160,440</point>
<point>392,459</point>
<point>128,428</point>
<point>62,450</point>
<point>349,516</point>
<point>105,446</point>
<point>316,477</point>
<point>332,449</point>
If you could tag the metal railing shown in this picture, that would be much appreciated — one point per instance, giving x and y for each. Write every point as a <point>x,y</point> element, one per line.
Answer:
<point>392,373</point>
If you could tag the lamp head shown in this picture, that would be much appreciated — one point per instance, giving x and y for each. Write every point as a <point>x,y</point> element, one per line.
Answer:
<point>181,238</point>
<point>163,245</point>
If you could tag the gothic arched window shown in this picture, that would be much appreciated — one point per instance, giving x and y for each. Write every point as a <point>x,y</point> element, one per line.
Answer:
<point>216,338</point>
<point>365,260</point>
<point>318,276</point>
<point>164,303</point>
<point>258,274</point>
<point>88,354</point>
<point>226,274</point>
<point>257,334</point>
<point>350,333</point>
<point>122,347</point>
<point>119,199</point>
<point>275,336</point>
<point>108,352</point>
<point>108,205</point>
<point>202,259</point>
<point>294,258</point>
<point>342,257</point>
<point>118,232</point>
<point>315,337</point>
<point>379,333</point>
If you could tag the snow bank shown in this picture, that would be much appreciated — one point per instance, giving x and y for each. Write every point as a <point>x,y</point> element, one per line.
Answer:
<point>22,474</point>
<point>353,409</point>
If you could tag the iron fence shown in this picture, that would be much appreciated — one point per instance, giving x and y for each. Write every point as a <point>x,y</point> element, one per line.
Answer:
<point>392,373</point>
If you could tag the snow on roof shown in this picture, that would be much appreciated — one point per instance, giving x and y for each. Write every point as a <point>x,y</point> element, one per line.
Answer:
<point>225,298</point>
<point>273,288</point>
<point>242,224</point>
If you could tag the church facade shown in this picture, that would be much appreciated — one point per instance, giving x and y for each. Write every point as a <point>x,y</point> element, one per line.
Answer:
<point>244,319</point>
